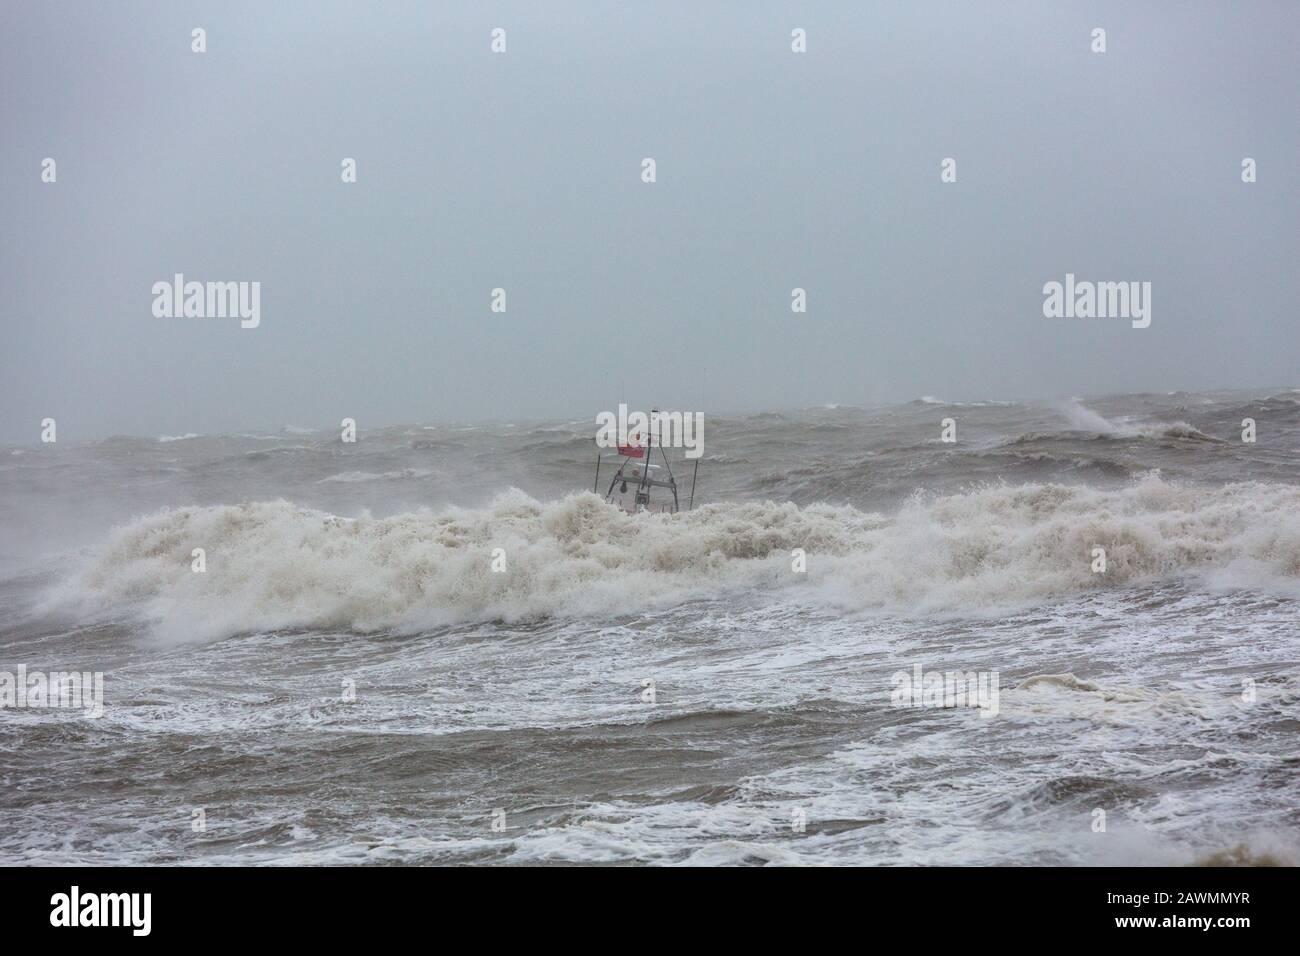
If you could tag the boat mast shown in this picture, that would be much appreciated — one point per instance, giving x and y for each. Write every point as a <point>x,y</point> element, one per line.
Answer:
<point>649,454</point>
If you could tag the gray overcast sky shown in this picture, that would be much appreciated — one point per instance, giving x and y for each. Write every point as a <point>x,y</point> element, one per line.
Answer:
<point>522,170</point>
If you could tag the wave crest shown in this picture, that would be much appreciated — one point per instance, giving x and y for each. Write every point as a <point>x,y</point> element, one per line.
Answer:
<point>275,565</point>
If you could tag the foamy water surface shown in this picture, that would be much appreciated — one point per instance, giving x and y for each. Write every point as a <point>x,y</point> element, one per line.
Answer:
<point>1164,692</point>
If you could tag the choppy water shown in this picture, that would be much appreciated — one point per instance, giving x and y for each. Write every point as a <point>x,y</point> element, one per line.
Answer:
<point>369,565</point>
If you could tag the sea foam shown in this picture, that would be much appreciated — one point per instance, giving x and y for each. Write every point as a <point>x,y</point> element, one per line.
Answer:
<point>273,565</point>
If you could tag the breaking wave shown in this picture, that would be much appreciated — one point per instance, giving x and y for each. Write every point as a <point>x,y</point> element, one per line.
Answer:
<point>273,565</point>
<point>1094,425</point>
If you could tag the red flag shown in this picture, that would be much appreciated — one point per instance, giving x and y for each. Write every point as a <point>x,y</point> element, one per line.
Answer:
<point>632,450</point>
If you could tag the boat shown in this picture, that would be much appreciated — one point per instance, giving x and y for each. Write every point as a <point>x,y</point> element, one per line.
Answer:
<point>639,485</point>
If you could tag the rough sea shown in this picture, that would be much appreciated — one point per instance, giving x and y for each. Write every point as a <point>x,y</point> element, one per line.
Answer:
<point>348,680</point>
